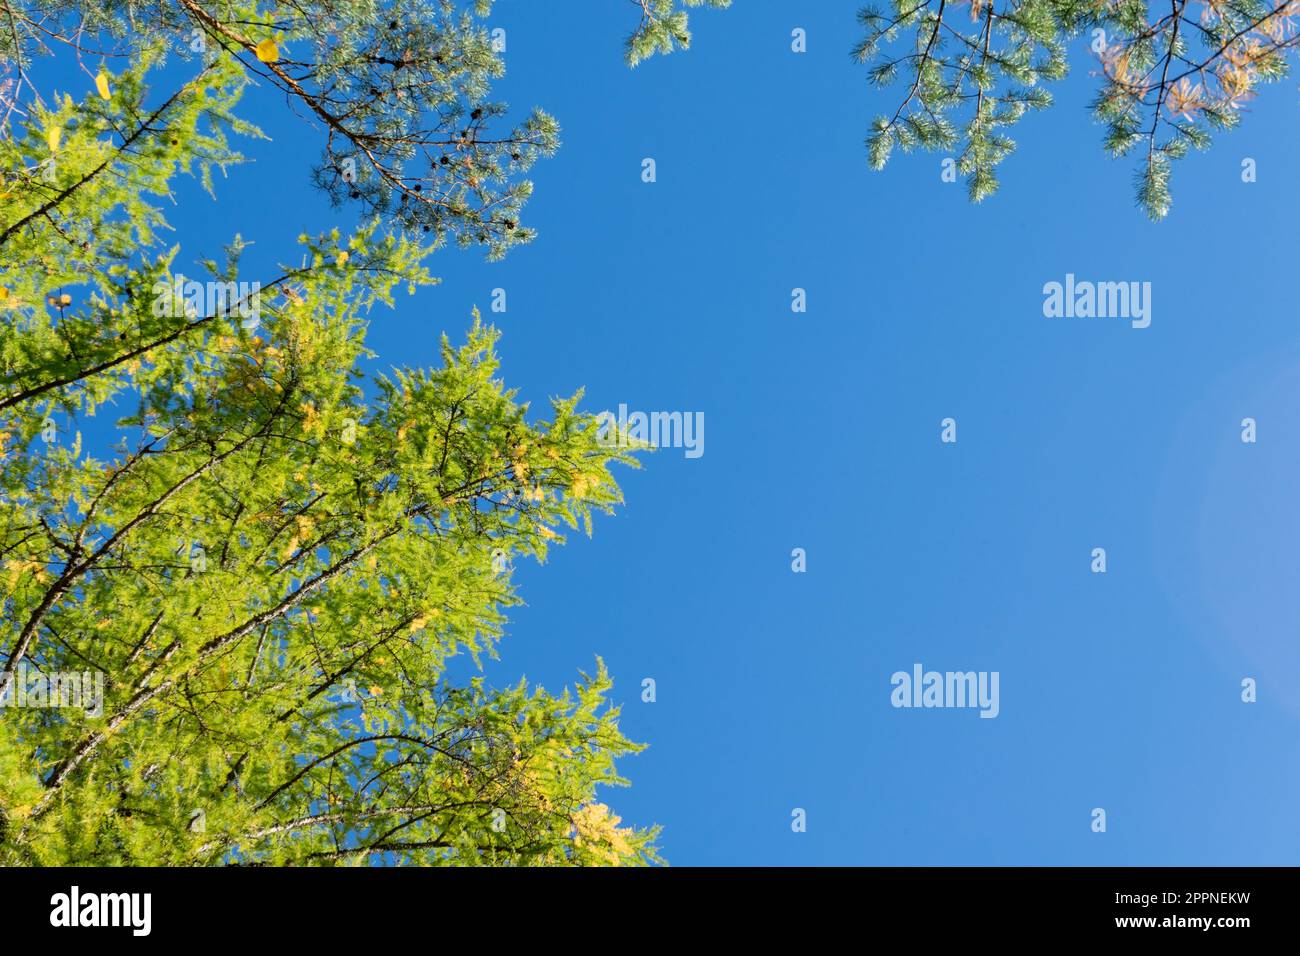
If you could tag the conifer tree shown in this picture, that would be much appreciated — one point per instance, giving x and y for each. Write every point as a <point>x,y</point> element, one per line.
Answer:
<point>398,94</point>
<point>968,75</point>
<point>969,70</point>
<point>275,560</point>
<point>663,27</point>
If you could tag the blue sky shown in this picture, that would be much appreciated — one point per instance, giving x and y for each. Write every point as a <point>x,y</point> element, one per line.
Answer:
<point>1119,691</point>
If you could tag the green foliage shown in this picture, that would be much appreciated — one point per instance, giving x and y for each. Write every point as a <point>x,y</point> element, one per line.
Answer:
<point>965,87</point>
<point>399,92</point>
<point>663,27</point>
<point>1171,81</point>
<point>275,563</point>
<point>1166,83</point>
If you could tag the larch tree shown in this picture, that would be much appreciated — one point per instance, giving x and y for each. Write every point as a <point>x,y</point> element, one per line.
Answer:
<point>272,563</point>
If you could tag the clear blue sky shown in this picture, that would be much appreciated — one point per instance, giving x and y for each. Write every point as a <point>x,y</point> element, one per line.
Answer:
<point>1119,690</point>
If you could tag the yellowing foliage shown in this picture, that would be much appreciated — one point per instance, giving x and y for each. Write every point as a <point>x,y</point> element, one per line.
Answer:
<point>267,51</point>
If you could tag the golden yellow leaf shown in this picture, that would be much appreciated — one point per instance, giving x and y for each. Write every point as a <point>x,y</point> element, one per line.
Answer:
<point>101,84</point>
<point>19,567</point>
<point>310,417</point>
<point>53,137</point>
<point>267,51</point>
